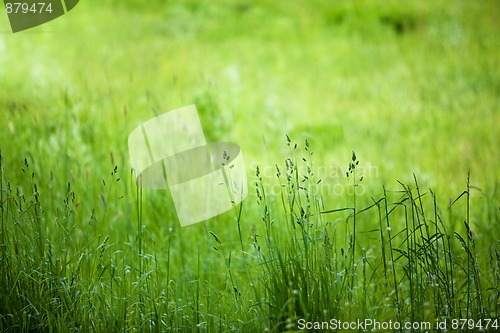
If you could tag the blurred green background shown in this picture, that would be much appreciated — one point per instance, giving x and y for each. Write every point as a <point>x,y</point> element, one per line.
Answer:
<point>412,87</point>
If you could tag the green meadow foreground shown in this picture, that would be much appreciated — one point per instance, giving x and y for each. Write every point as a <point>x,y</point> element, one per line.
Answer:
<point>405,229</point>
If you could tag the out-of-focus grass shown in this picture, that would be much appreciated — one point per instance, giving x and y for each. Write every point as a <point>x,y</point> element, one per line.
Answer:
<point>411,87</point>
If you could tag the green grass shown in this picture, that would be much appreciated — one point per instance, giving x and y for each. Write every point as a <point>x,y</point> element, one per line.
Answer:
<point>301,261</point>
<point>412,88</point>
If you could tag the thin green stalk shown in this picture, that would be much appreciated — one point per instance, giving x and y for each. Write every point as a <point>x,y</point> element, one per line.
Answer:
<point>409,251</point>
<point>139,206</point>
<point>382,240</point>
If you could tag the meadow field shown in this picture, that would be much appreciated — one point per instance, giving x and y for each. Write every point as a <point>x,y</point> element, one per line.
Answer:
<point>369,131</point>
